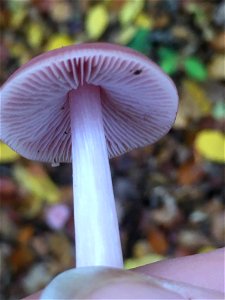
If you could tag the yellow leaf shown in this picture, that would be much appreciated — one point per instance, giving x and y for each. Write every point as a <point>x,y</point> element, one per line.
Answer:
<point>97,21</point>
<point>59,41</point>
<point>199,96</point>
<point>35,34</point>
<point>144,21</point>
<point>211,145</point>
<point>7,154</point>
<point>130,11</point>
<point>37,183</point>
<point>206,249</point>
<point>125,35</point>
<point>137,262</point>
<point>34,208</point>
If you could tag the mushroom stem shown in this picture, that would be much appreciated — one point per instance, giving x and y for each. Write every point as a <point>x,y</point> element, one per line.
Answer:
<point>96,223</point>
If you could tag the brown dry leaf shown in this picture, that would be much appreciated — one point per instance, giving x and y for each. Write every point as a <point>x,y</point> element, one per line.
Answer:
<point>218,42</point>
<point>189,173</point>
<point>61,248</point>
<point>8,189</point>
<point>25,234</point>
<point>115,6</point>
<point>216,68</point>
<point>158,241</point>
<point>21,258</point>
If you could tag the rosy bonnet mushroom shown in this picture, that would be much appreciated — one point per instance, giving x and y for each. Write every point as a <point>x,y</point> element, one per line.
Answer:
<point>85,104</point>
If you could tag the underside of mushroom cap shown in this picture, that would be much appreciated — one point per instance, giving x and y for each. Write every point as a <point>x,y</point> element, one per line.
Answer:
<point>139,102</point>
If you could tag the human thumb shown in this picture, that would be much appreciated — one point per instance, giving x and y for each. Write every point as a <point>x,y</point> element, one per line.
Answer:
<point>111,283</point>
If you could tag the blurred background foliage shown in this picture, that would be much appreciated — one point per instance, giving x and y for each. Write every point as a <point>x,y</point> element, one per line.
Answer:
<point>169,196</point>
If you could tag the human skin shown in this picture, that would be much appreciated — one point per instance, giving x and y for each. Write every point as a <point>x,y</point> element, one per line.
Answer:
<point>198,276</point>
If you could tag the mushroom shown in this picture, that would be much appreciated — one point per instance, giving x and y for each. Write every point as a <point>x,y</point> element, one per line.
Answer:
<point>87,103</point>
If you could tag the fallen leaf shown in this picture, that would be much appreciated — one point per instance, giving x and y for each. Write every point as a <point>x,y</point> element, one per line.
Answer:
<point>35,34</point>
<point>138,262</point>
<point>7,154</point>
<point>158,241</point>
<point>190,173</point>
<point>130,11</point>
<point>195,68</point>
<point>37,183</point>
<point>97,21</point>
<point>211,145</point>
<point>59,41</point>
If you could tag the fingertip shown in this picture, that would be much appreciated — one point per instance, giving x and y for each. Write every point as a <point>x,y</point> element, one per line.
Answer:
<point>202,270</point>
<point>35,296</point>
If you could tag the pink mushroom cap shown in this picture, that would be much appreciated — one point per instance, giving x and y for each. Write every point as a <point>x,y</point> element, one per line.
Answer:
<point>139,101</point>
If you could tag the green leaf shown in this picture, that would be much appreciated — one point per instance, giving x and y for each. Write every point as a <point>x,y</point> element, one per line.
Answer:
<point>140,41</point>
<point>166,53</point>
<point>195,68</point>
<point>169,60</point>
<point>169,65</point>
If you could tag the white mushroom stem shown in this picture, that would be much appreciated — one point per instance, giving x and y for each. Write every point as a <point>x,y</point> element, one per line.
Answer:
<point>96,223</point>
